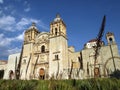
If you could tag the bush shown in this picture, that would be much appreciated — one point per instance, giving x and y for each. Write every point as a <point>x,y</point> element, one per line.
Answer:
<point>115,74</point>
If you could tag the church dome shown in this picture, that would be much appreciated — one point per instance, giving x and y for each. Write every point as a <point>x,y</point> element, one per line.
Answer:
<point>57,18</point>
<point>93,40</point>
<point>33,26</point>
<point>91,43</point>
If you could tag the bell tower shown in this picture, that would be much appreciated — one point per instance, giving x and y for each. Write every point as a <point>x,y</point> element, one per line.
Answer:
<point>110,38</point>
<point>30,34</point>
<point>28,47</point>
<point>58,27</point>
<point>58,47</point>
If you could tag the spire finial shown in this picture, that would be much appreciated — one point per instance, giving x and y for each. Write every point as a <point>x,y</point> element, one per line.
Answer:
<point>57,15</point>
<point>33,24</point>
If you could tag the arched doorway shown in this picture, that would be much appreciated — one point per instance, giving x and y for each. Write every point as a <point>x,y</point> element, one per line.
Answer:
<point>42,74</point>
<point>96,72</point>
<point>1,74</point>
<point>11,74</point>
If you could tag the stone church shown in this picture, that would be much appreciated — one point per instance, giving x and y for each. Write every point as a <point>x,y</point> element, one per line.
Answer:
<point>46,55</point>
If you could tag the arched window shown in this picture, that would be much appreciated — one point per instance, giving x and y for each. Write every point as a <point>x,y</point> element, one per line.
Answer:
<point>111,40</point>
<point>43,49</point>
<point>24,61</point>
<point>56,31</point>
<point>56,57</point>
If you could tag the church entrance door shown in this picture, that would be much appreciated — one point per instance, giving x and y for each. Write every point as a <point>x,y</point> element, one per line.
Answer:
<point>11,74</point>
<point>96,72</point>
<point>42,74</point>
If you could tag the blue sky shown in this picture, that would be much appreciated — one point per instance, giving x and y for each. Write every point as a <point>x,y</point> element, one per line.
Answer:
<point>82,17</point>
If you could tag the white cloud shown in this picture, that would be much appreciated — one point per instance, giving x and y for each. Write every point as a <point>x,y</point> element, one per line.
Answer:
<point>7,20</point>
<point>13,24</point>
<point>8,51</point>
<point>27,5</point>
<point>7,23</point>
<point>21,25</point>
<point>27,9</point>
<point>1,1</point>
<point>13,50</point>
<point>5,41</point>
<point>6,45</point>
<point>10,9</point>
<point>20,37</point>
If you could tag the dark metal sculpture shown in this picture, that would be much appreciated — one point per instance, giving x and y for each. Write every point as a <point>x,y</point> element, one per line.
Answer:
<point>71,69</point>
<point>99,37</point>
<point>17,71</point>
<point>28,65</point>
<point>35,64</point>
<point>98,42</point>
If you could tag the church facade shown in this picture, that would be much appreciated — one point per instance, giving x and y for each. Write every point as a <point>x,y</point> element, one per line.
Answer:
<point>46,55</point>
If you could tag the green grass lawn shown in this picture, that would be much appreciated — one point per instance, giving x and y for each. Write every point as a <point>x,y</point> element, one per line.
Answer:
<point>89,84</point>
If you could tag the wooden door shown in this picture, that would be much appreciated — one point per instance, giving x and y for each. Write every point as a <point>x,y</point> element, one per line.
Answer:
<point>42,73</point>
